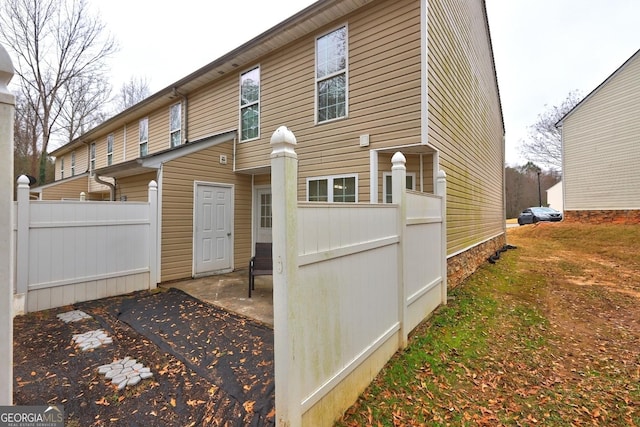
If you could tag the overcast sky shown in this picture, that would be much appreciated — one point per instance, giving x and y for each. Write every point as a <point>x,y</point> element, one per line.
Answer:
<point>543,49</point>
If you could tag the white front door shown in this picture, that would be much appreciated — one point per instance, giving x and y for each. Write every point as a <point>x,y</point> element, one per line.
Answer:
<point>212,228</point>
<point>262,218</point>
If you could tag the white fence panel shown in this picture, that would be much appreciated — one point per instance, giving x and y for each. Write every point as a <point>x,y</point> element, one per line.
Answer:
<point>348,271</point>
<point>70,251</point>
<point>423,273</point>
<point>72,242</point>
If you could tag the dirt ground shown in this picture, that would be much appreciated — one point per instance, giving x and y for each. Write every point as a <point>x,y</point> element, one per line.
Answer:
<point>209,367</point>
<point>213,368</point>
<point>592,301</point>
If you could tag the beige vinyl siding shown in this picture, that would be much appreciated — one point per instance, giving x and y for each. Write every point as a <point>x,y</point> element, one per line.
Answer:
<point>135,188</point>
<point>177,208</point>
<point>413,167</point>
<point>82,162</point>
<point>101,161</point>
<point>159,138</point>
<point>465,120</point>
<point>66,189</point>
<point>602,146</point>
<point>384,97</point>
<point>214,108</point>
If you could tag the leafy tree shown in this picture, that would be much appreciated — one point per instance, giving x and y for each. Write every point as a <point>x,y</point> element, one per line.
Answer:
<point>58,47</point>
<point>543,144</point>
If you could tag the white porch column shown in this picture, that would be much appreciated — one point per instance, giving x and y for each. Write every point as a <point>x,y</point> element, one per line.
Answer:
<point>284,199</point>
<point>399,197</point>
<point>7,110</point>
<point>441,190</point>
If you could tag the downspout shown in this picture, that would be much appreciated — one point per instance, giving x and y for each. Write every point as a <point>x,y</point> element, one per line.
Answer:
<point>112,187</point>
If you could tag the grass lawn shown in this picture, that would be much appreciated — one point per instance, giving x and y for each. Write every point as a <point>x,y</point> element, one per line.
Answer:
<point>549,335</point>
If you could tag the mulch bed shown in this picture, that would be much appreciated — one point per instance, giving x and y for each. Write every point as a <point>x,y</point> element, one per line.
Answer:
<point>210,367</point>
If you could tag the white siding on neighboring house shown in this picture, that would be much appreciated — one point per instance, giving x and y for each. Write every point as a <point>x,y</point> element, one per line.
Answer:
<point>554,197</point>
<point>601,145</point>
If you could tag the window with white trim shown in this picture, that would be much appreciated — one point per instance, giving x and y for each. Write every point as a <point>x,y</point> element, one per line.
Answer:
<point>109,149</point>
<point>250,104</point>
<point>338,188</point>
<point>387,186</point>
<point>73,163</point>
<point>331,75</point>
<point>265,210</point>
<point>144,136</point>
<point>62,168</point>
<point>92,157</point>
<point>175,124</point>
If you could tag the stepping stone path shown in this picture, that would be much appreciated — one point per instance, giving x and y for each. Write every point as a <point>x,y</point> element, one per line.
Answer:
<point>125,372</point>
<point>73,316</point>
<point>92,339</point>
<point>122,372</point>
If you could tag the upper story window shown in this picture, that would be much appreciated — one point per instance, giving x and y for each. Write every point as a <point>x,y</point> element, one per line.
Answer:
<point>250,104</point>
<point>109,149</point>
<point>92,157</point>
<point>144,136</point>
<point>73,163</point>
<point>175,124</point>
<point>62,168</point>
<point>331,75</point>
<point>339,188</point>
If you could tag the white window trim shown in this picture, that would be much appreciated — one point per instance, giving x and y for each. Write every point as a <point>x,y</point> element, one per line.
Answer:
<point>258,102</point>
<point>92,158</point>
<point>61,167</point>
<point>140,140</point>
<point>73,163</point>
<point>179,129</point>
<point>384,183</point>
<point>330,179</point>
<point>110,141</point>
<point>346,75</point>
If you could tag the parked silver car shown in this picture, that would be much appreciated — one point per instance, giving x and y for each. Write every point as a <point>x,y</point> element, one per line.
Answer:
<point>535,214</point>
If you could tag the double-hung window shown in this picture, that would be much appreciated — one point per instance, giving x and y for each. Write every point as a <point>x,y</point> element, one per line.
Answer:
<point>92,157</point>
<point>73,163</point>
<point>62,168</point>
<point>175,124</point>
<point>250,104</point>
<point>339,188</point>
<point>331,75</point>
<point>144,136</point>
<point>110,149</point>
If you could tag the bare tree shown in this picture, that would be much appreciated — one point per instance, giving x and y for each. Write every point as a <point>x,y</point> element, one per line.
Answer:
<point>83,106</point>
<point>543,144</point>
<point>130,93</point>
<point>55,42</point>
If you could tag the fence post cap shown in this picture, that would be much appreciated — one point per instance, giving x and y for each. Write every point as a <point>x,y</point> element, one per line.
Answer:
<point>398,159</point>
<point>23,180</point>
<point>6,69</point>
<point>153,184</point>
<point>442,174</point>
<point>283,135</point>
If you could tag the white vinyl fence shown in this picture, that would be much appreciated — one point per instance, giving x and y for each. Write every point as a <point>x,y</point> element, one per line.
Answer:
<point>350,282</point>
<point>72,251</point>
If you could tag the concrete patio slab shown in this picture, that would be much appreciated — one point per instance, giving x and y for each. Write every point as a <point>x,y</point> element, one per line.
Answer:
<point>230,292</point>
